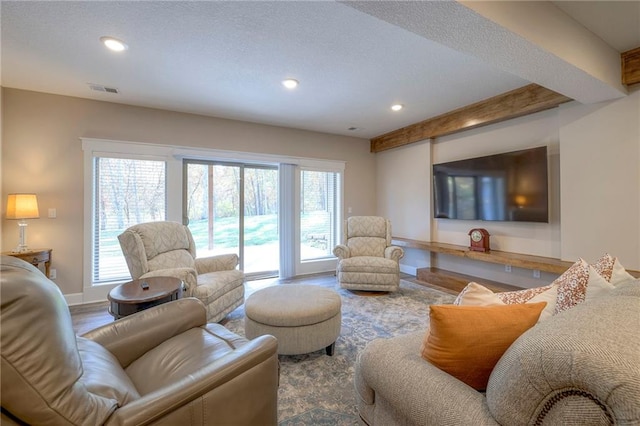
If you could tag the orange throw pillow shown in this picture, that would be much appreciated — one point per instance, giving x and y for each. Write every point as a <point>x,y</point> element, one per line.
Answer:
<point>468,341</point>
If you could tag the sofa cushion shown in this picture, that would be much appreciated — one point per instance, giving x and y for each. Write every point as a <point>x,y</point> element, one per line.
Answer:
<point>367,246</point>
<point>182,356</point>
<point>467,341</point>
<point>103,375</point>
<point>369,264</point>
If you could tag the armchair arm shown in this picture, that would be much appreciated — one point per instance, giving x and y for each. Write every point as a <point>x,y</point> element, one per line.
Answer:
<point>394,253</point>
<point>130,337</point>
<point>188,276</point>
<point>222,262</point>
<point>341,251</point>
<point>259,355</point>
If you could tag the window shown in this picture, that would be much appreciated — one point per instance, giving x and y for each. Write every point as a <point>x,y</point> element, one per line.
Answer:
<point>128,183</point>
<point>126,192</point>
<point>233,208</point>
<point>318,214</point>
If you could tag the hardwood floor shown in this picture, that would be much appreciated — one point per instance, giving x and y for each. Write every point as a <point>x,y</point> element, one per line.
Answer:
<point>89,316</point>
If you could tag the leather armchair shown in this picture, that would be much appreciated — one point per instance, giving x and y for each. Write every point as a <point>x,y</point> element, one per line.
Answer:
<point>167,249</point>
<point>366,259</point>
<point>164,365</point>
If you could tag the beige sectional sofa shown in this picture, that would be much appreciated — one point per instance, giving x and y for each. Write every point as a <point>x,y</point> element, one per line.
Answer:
<point>581,366</point>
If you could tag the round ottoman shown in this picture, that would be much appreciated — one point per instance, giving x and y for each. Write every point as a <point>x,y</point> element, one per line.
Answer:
<point>304,318</point>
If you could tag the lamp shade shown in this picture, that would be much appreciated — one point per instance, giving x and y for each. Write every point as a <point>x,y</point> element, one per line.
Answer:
<point>22,206</point>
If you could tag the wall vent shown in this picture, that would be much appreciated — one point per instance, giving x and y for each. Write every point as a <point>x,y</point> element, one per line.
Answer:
<point>101,88</point>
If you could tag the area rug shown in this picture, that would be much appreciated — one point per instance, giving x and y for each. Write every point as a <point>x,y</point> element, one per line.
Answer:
<point>316,389</point>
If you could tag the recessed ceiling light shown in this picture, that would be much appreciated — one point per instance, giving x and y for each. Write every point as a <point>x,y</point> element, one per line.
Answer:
<point>290,83</point>
<point>114,44</point>
<point>397,107</point>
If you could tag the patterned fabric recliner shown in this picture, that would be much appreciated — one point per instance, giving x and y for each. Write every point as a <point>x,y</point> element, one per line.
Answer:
<point>167,249</point>
<point>366,259</point>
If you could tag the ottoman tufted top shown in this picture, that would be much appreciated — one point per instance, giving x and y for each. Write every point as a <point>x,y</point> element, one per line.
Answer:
<point>292,305</point>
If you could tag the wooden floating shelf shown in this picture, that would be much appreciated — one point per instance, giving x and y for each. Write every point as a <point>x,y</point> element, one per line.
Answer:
<point>519,260</point>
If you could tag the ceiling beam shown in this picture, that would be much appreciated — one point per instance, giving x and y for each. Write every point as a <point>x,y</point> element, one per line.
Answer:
<point>631,66</point>
<point>516,103</point>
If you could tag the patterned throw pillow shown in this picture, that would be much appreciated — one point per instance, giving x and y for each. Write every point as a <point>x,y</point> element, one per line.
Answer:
<point>572,286</point>
<point>611,269</point>
<point>579,283</point>
<point>522,296</point>
<point>604,266</point>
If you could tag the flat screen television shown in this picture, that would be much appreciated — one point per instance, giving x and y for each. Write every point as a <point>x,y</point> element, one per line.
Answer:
<point>512,186</point>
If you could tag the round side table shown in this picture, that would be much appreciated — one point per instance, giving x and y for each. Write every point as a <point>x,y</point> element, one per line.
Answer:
<point>137,295</point>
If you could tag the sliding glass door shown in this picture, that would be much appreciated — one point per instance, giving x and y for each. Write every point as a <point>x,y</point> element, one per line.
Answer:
<point>233,208</point>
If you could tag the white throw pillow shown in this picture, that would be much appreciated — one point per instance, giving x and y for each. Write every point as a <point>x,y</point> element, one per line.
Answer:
<point>548,296</point>
<point>475,294</point>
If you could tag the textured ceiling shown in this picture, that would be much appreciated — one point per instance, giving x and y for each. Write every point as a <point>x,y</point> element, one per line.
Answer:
<point>353,59</point>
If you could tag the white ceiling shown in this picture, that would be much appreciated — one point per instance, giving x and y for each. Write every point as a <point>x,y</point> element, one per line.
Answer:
<point>353,59</point>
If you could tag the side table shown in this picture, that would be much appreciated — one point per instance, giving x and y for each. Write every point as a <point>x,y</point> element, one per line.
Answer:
<point>137,295</point>
<point>34,257</point>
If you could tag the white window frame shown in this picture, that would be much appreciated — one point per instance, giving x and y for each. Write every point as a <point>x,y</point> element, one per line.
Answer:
<point>173,156</point>
<point>324,264</point>
<point>130,150</point>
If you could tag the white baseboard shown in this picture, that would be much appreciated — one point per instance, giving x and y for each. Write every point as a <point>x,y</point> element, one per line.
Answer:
<point>74,299</point>
<point>407,269</point>
<point>90,295</point>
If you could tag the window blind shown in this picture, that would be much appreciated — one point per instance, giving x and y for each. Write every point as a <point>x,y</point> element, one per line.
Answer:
<point>126,192</point>
<point>318,214</point>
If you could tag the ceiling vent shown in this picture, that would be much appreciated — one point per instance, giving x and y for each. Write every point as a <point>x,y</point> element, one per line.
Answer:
<point>101,88</point>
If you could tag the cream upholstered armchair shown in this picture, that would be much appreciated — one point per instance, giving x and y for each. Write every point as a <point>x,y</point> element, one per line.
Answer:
<point>167,249</point>
<point>366,259</point>
<point>163,366</point>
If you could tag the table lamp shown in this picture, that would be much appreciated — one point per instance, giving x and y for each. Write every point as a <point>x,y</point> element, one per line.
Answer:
<point>21,207</point>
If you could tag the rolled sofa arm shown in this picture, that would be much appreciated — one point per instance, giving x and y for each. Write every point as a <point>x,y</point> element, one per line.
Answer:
<point>132,336</point>
<point>393,370</point>
<point>578,366</point>
<point>341,251</point>
<point>221,262</point>
<point>394,253</point>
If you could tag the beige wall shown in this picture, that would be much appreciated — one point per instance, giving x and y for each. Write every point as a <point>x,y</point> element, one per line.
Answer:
<point>594,179</point>
<point>600,173</point>
<point>41,153</point>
